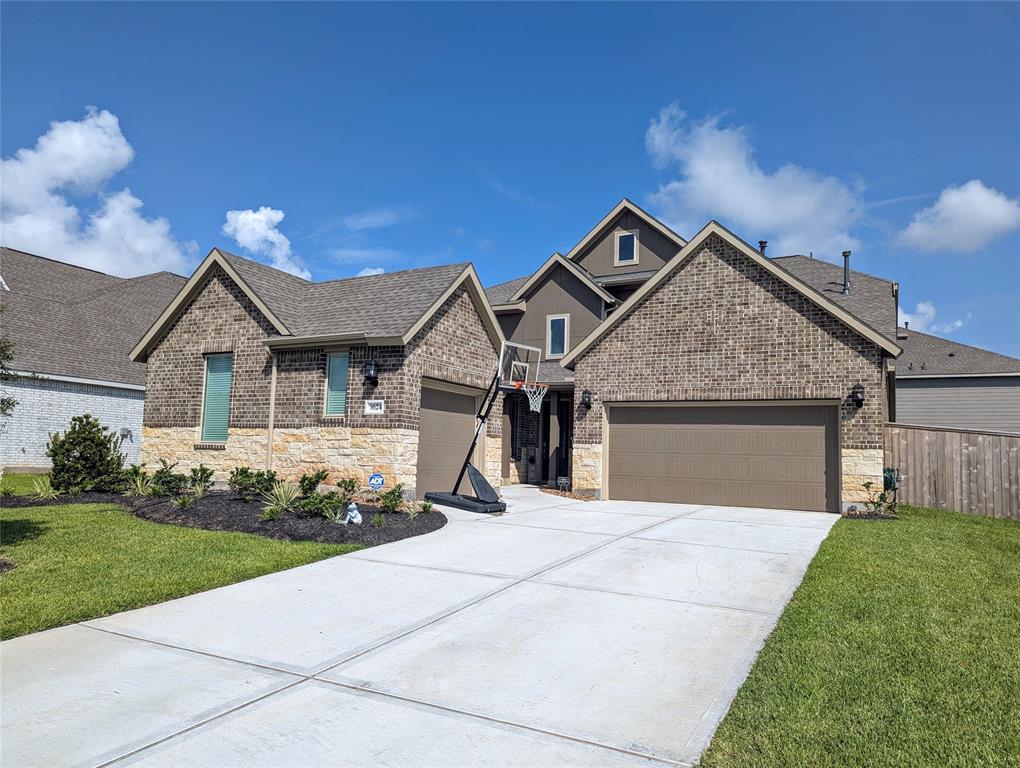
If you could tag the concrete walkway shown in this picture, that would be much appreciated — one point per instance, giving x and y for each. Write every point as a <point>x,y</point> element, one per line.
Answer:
<point>561,633</point>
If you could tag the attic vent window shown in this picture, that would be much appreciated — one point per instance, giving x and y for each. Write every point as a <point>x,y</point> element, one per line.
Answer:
<point>626,249</point>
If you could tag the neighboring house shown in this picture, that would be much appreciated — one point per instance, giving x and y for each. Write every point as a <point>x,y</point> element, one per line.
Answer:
<point>73,329</point>
<point>942,383</point>
<point>250,366</point>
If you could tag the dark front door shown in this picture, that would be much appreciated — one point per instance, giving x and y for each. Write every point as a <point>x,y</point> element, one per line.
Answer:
<point>543,474</point>
<point>565,412</point>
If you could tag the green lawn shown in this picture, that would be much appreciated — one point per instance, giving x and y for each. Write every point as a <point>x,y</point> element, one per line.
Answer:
<point>901,648</point>
<point>20,483</point>
<point>80,561</point>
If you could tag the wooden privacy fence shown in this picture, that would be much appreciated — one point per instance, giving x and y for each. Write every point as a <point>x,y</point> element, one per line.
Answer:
<point>960,469</point>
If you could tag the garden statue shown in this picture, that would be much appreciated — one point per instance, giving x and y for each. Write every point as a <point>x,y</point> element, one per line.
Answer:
<point>353,515</point>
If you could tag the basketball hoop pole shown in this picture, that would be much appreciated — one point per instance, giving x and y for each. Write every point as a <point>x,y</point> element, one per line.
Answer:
<point>484,410</point>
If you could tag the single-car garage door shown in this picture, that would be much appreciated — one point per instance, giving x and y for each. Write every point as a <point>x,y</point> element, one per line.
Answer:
<point>775,455</point>
<point>444,434</point>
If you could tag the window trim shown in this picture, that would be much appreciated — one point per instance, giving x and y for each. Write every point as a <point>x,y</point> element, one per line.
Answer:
<point>205,381</point>
<point>549,355</point>
<point>616,248</point>
<point>325,387</point>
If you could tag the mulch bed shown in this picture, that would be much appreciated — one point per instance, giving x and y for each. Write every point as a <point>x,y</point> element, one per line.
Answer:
<point>566,494</point>
<point>224,511</point>
<point>5,564</point>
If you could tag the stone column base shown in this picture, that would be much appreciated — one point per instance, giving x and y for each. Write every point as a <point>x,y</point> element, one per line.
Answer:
<point>587,469</point>
<point>860,465</point>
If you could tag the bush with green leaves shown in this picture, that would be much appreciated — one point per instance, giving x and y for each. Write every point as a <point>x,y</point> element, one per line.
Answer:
<point>249,485</point>
<point>86,457</point>
<point>200,480</point>
<point>183,501</point>
<point>347,487</point>
<point>138,482</point>
<point>310,483</point>
<point>426,506</point>
<point>378,520</point>
<point>282,497</point>
<point>166,482</point>
<point>393,499</point>
<point>321,503</point>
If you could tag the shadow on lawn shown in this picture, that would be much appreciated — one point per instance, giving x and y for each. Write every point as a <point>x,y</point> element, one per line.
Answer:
<point>17,531</point>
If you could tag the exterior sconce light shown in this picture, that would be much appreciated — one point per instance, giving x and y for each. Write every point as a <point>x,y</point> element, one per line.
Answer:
<point>857,396</point>
<point>372,372</point>
<point>586,400</point>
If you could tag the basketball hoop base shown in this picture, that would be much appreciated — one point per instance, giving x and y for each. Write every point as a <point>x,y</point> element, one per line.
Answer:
<point>470,503</point>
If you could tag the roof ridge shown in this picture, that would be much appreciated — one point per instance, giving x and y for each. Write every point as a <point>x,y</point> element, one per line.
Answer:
<point>63,263</point>
<point>943,339</point>
<point>460,264</point>
<point>829,264</point>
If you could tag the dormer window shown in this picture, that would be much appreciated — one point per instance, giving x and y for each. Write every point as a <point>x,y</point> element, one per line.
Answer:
<point>626,252</point>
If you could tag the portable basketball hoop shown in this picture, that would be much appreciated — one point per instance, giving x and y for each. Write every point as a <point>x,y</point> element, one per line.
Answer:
<point>517,372</point>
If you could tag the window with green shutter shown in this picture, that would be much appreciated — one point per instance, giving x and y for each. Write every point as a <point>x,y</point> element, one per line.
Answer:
<point>216,404</point>
<point>336,384</point>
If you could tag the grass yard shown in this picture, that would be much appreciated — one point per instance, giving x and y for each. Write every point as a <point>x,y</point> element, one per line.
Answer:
<point>81,561</point>
<point>900,648</point>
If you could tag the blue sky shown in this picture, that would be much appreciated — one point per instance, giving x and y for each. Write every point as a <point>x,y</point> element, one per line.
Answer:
<point>388,136</point>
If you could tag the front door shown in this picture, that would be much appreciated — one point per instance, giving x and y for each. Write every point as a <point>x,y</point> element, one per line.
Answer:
<point>565,411</point>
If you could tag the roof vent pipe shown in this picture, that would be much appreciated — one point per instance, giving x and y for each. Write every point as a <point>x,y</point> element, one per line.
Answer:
<point>762,244</point>
<point>846,272</point>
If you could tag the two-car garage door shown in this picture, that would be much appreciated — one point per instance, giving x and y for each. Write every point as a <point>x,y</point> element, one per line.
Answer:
<point>782,456</point>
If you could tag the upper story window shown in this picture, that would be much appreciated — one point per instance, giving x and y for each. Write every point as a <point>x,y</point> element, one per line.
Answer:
<point>337,365</point>
<point>626,252</point>
<point>557,331</point>
<point>219,371</point>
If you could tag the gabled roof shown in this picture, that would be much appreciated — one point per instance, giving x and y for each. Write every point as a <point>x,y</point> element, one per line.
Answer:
<point>557,260</point>
<point>693,247</point>
<point>501,292</point>
<point>872,299</point>
<point>388,308</point>
<point>927,356</point>
<point>76,323</point>
<point>622,207</point>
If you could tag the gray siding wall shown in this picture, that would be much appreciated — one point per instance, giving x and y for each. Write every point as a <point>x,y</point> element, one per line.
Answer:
<point>654,249</point>
<point>46,406</point>
<point>560,293</point>
<point>991,403</point>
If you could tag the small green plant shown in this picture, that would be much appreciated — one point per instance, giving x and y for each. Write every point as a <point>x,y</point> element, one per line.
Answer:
<point>43,491</point>
<point>183,501</point>
<point>251,485</point>
<point>393,499</point>
<point>347,487</point>
<point>426,507</point>
<point>335,515</point>
<point>320,503</point>
<point>166,482</point>
<point>199,491</point>
<point>378,520</point>
<point>200,480</point>
<point>412,510</point>
<point>139,484</point>
<point>282,497</point>
<point>880,503</point>
<point>86,457</point>
<point>310,483</point>
<point>6,489</point>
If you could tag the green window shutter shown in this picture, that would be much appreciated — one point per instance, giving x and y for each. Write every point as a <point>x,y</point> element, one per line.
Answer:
<point>216,406</point>
<point>336,384</point>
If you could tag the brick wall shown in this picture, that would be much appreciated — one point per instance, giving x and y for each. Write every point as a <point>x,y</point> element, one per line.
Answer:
<point>46,406</point>
<point>723,328</point>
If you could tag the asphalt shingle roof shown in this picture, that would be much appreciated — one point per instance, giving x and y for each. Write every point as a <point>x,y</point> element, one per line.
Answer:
<point>387,304</point>
<point>71,321</point>
<point>927,355</point>
<point>501,292</point>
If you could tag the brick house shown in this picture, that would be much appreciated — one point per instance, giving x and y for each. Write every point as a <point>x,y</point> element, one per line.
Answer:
<point>255,367</point>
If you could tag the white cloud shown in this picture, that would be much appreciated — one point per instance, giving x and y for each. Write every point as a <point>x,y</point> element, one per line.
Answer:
<point>923,319</point>
<point>963,219</point>
<point>76,158</point>
<point>256,231</point>
<point>367,271</point>
<point>797,209</point>
<point>377,218</point>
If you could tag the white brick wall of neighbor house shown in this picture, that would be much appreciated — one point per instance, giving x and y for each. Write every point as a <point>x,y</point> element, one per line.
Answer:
<point>46,406</point>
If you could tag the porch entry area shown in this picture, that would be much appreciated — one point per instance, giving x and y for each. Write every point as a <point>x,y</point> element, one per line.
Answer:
<point>536,445</point>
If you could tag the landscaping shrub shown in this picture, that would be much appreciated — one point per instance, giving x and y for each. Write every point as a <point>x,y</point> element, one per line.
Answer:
<point>201,480</point>
<point>309,484</point>
<point>347,488</point>
<point>183,501</point>
<point>86,457</point>
<point>393,499</point>
<point>43,491</point>
<point>250,485</point>
<point>282,497</point>
<point>321,503</point>
<point>427,506</point>
<point>166,482</point>
<point>378,520</point>
<point>138,482</point>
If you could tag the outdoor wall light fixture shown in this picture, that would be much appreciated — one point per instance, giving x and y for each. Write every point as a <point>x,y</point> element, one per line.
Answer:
<point>586,400</point>
<point>857,396</point>
<point>372,372</point>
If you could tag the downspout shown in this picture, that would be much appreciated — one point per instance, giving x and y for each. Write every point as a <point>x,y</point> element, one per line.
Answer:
<point>272,414</point>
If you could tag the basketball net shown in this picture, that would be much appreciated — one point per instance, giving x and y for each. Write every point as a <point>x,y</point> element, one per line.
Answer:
<point>535,393</point>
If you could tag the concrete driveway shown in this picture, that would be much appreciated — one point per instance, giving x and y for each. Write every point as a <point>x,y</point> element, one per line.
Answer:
<point>561,633</point>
